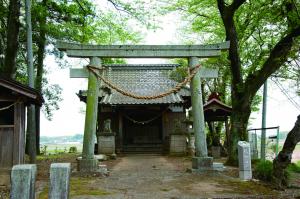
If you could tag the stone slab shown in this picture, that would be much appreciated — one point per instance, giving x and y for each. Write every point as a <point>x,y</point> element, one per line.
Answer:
<point>23,181</point>
<point>59,180</point>
<point>244,155</point>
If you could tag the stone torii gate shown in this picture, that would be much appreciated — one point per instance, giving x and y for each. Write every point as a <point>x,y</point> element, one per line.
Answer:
<point>96,52</point>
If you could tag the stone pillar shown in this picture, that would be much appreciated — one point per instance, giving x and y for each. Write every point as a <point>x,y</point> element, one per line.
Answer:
<point>59,180</point>
<point>244,160</point>
<point>23,181</point>
<point>88,162</point>
<point>200,161</point>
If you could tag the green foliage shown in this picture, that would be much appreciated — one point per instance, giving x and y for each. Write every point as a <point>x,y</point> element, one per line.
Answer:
<point>263,170</point>
<point>294,167</point>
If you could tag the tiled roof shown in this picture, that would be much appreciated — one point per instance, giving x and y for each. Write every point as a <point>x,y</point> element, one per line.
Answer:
<point>144,80</point>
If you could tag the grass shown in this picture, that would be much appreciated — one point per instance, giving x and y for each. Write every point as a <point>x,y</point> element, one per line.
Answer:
<point>78,187</point>
<point>294,167</point>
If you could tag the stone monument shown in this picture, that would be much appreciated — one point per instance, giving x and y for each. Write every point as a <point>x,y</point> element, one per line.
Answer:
<point>178,140</point>
<point>244,155</point>
<point>106,139</point>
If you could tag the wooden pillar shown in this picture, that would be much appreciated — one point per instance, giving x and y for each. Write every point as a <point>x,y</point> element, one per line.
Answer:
<point>198,113</point>
<point>88,162</point>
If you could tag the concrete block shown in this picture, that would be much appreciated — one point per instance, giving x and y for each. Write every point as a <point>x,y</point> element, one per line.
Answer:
<point>59,180</point>
<point>23,181</point>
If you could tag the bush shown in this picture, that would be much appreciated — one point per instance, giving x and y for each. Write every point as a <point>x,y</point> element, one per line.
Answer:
<point>294,167</point>
<point>73,149</point>
<point>263,170</point>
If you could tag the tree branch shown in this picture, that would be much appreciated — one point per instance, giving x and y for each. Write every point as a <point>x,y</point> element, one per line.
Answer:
<point>236,4</point>
<point>278,56</point>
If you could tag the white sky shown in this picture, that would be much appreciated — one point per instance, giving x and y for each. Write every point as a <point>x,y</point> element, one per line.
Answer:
<point>69,121</point>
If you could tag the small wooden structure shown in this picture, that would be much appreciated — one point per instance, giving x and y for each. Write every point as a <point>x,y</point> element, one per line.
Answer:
<point>216,110</point>
<point>14,97</point>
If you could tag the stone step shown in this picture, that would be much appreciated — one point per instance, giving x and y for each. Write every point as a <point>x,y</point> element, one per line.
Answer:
<point>143,149</point>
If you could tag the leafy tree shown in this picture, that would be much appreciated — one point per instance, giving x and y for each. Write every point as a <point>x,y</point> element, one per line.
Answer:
<point>264,37</point>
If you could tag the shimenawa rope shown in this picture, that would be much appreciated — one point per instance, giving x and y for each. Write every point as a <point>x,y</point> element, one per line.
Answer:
<point>132,95</point>
<point>7,107</point>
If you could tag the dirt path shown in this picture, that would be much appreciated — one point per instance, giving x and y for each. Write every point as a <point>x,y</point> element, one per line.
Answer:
<point>150,176</point>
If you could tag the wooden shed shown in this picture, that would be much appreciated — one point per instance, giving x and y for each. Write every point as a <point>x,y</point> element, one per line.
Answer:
<point>14,97</point>
<point>141,125</point>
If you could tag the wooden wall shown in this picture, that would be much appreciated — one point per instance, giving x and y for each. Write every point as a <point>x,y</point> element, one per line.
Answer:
<point>12,139</point>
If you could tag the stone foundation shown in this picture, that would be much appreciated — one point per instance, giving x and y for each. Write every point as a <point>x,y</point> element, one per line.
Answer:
<point>177,144</point>
<point>106,144</point>
<point>202,163</point>
<point>87,165</point>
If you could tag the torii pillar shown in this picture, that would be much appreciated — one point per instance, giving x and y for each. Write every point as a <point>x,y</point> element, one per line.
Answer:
<point>88,162</point>
<point>201,160</point>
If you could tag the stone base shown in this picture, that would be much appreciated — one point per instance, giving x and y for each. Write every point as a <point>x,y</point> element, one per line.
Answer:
<point>87,165</point>
<point>245,175</point>
<point>202,163</point>
<point>106,144</point>
<point>177,144</point>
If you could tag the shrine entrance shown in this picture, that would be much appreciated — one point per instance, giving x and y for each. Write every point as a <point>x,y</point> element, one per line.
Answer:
<point>142,131</point>
<point>96,70</point>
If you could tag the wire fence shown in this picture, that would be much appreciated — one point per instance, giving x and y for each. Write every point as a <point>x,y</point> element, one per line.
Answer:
<point>274,143</point>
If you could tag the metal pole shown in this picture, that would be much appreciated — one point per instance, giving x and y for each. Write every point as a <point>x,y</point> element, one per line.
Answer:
<point>263,125</point>
<point>31,109</point>
<point>277,142</point>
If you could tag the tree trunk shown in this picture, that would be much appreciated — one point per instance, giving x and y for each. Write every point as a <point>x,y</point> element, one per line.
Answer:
<point>284,157</point>
<point>13,26</point>
<point>41,44</point>
<point>238,130</point>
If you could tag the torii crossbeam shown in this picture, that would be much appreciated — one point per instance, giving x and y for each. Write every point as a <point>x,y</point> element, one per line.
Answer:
<point>96,52</point>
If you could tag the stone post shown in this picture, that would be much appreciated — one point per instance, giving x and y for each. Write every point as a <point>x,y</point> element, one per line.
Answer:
<point>200,161</point>
<point>23,181</point>
<point>88,162</point>
<point>59,180</point>
<point>244,160</point>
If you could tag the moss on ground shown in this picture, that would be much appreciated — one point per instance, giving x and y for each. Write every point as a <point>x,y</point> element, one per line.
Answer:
<point>246,187</point>
<point>78,187</point>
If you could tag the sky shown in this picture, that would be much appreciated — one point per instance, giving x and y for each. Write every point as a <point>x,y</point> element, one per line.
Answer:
<point>69,119</point>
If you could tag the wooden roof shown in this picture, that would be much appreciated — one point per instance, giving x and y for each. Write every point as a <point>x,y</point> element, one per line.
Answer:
<point>215,109</point>
<point>30,95</point>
